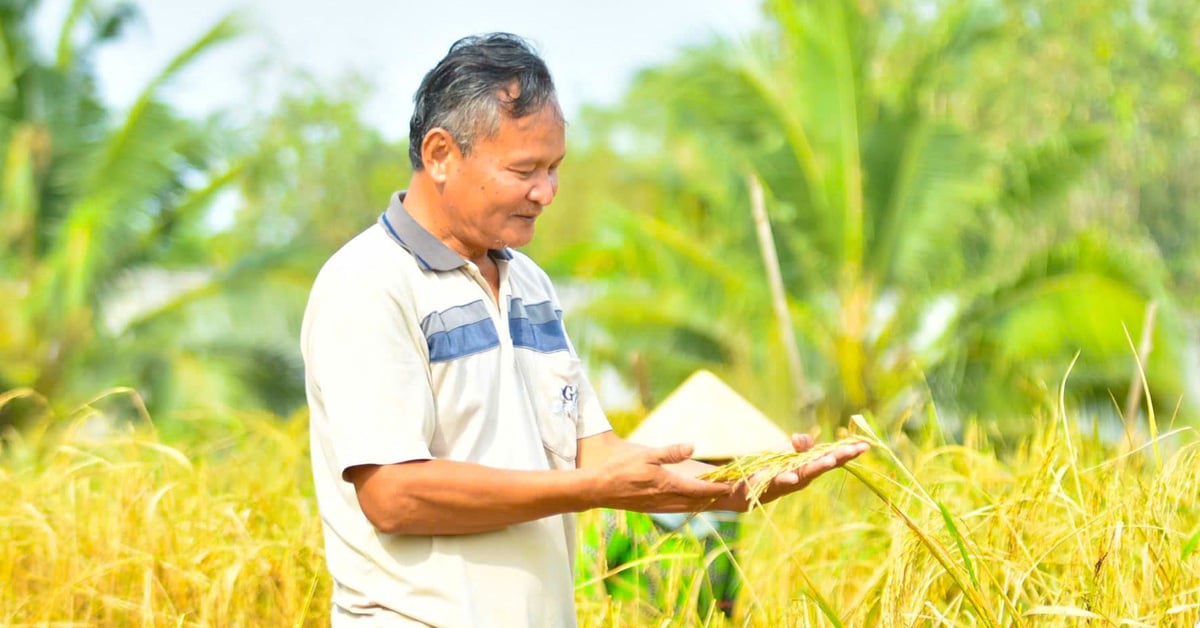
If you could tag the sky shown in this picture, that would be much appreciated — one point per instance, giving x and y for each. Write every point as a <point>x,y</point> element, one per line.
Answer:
<point>592,48</point>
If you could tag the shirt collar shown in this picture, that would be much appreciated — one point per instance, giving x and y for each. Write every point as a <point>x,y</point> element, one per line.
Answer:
<point>430,252</point>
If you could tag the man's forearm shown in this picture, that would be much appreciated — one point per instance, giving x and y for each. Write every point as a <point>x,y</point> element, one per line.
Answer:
<point>443,497</point>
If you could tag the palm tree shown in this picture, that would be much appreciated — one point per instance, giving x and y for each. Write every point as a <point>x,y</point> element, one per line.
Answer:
<point>104,223</point>
<point>910,247</point>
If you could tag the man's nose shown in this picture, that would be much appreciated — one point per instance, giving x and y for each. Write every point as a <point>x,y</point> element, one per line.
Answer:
<point>544,188</point>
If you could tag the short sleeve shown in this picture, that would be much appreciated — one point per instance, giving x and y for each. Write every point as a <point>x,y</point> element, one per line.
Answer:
<point>367,370</point>
<point>592,419</point>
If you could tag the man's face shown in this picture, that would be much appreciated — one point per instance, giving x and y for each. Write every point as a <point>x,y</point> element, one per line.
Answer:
<point>494,194</point>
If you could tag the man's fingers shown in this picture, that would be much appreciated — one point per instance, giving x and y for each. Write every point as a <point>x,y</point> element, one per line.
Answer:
<point>832,460</point>
<point>670,454</point>
<point>802,442</point>
<point>838,456</point>
<point>701,488</point>
<point>788,478</point>
<point>850,452</point>
<point>813,468</point>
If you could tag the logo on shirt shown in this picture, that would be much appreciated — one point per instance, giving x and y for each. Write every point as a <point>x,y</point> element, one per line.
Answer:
<point>568,404</point>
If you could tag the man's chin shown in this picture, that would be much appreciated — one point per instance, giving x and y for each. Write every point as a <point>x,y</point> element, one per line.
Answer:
<point>516,238</point>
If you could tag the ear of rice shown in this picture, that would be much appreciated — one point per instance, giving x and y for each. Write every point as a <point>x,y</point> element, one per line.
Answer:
<point>758,470</point>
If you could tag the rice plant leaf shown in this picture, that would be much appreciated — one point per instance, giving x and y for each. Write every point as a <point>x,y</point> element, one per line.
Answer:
<point>15,394</point>
<point>936,549</point>
<point>861,423</point>
<point>1063,611</point>
<point>1151,421</point>
<point>822,603</point>
<point>166,450</point>
<point>1073,457</point>
<point>1190,547</point>
<point>958,540</point>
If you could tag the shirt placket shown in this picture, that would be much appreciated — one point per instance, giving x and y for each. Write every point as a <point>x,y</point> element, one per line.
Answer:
<point>497,307</point>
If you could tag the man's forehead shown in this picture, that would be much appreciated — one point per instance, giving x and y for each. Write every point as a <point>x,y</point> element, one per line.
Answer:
<point>547,125</point>
<point>548,114</point>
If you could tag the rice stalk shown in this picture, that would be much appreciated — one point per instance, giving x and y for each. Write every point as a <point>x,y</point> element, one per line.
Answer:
<point>936,549</point>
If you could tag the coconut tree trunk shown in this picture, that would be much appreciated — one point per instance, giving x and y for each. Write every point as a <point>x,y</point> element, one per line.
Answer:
<point>787,334</point>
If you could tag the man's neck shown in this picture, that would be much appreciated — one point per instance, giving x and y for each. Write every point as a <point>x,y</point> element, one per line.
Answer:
<point>423,203</point>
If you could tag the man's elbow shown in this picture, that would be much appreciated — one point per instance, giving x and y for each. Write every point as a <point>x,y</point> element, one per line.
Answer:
<point>395,519</point>
<point>383,499</point>
<point>395,512</point>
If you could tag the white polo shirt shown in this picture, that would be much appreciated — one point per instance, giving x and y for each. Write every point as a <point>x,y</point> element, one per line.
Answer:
<point>408,357</point>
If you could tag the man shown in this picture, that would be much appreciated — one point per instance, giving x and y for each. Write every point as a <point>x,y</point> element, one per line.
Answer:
<point>453,430</point>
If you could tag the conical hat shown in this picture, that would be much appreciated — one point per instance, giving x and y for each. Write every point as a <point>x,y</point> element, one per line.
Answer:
<point>706,412</point>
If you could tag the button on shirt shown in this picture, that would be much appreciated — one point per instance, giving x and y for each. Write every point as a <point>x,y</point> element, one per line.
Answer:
<point>409,357</point>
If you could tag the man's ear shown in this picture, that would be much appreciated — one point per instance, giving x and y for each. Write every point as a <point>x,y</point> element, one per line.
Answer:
<point>438,152</point>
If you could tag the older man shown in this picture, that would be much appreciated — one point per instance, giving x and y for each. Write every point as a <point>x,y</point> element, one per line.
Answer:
<point>454,432</point>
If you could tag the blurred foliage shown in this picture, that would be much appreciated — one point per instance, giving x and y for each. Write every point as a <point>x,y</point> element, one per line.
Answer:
<point>964,194</point>
<point>98,207</point>
<point>933,236</point>
<point>144,249</point>
<point>1131,68</point>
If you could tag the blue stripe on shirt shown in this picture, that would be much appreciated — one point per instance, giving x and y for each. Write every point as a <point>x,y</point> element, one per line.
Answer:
<point>538,327</point>
<point>463,341</point>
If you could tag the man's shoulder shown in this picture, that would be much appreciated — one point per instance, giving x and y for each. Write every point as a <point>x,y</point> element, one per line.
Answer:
<point>369,252</point>
<point>368,261</point>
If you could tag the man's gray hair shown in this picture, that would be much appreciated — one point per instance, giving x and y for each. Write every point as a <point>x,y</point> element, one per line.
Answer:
<point>480,78</point>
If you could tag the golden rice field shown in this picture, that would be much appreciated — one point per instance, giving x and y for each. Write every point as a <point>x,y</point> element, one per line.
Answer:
<point>217,526</point>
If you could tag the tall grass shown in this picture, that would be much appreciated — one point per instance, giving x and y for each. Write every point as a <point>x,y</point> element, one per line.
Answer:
<point>118,528</point>
<point>216,526</point>
<point>971,534</point>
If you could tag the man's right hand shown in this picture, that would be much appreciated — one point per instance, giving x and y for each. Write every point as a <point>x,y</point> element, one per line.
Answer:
<point>636,478</point>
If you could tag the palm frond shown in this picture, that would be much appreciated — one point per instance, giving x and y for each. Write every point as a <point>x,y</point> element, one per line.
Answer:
<point>226,29</point>
<point>925,189</point>
<point>1038,173</point>
<point>65,50</point>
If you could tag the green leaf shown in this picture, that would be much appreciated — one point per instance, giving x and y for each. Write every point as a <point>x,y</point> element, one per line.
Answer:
<point>1189,548</point>
<point>958,540</point>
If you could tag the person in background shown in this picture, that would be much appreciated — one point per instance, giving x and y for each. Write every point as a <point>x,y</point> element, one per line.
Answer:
<point>665,561</point>
<point>453,430</point>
